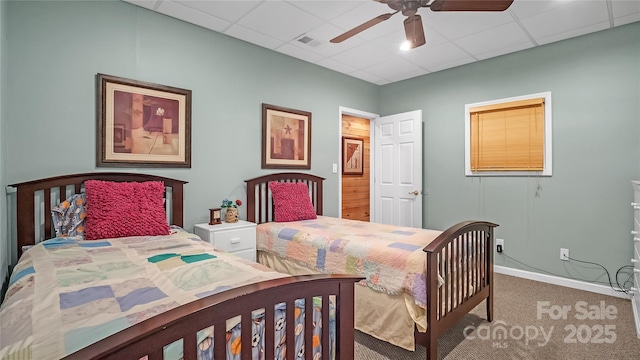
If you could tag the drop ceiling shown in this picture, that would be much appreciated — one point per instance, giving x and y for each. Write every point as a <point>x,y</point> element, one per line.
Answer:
<point>374,55</point>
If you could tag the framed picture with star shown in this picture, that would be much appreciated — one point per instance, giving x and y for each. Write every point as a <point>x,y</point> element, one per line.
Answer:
<point>286,138</point>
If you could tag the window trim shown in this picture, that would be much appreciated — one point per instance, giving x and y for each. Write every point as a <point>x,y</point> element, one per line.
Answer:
<point>547,167</point>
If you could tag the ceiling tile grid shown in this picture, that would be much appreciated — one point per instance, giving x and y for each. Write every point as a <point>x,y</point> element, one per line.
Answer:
<point>303,28</point>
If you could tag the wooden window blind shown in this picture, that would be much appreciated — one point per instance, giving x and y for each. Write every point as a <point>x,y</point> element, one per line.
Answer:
<point>508,136</point>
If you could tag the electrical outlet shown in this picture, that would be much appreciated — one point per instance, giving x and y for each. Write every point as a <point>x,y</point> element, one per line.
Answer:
<point>564,254</point>
<point>499,245</point>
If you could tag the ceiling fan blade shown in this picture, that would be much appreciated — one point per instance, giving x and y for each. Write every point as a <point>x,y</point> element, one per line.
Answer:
<point>470,5</point>
<point>414,31</point>
<point>362,27</point>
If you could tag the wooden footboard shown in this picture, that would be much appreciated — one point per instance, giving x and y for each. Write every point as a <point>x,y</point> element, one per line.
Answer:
<point>148,338</point>
<point>463,256</point>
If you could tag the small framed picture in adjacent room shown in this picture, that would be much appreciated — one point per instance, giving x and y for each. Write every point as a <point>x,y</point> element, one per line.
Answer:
<point>215,216</point>
<point>352,155</point>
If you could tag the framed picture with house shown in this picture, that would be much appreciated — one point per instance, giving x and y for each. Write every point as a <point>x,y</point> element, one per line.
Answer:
<point>286,138</point>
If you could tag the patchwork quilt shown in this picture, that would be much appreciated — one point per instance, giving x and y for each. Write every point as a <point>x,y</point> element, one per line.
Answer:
<point>388,256</point>
<point>65,294</point>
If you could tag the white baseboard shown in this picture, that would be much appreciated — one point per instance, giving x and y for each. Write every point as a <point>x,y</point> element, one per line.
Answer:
<point>557,280</point>
<point>636,316</point>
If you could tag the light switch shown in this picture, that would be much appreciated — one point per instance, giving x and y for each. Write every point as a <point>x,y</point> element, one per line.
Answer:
<point>335,168</point>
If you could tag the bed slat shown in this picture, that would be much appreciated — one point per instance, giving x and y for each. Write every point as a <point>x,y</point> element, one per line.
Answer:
<point>308,328</point>
<point>219,339</point>
<point>246,351</point>
<point>290,337</point>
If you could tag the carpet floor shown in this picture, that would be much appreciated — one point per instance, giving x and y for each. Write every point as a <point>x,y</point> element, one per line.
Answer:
<point>532,320</point>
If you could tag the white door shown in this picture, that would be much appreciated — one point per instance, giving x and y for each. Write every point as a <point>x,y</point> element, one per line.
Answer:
<point>398,169</point>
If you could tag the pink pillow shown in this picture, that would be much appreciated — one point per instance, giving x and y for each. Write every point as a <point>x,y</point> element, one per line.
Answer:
<point>291,201</point>
<point>120,209</point>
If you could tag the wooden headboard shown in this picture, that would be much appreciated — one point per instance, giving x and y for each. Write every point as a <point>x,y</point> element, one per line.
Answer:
<point>259,203</point>
<point>37,196</point>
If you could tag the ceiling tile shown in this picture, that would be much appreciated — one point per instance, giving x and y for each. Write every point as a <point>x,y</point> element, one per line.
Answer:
<point>327,9</point>
<point>279,20</point>
<point>625,11</point>
<point>626,19</point>
<point>504,50</point>
<point>363,56</point>
<point>572,33</point>
<point>253,37</point>
<point>224,9</point>
<point>192,16</point>
<point>323,47</point>
<point>564,19</point>
<point>433,57</point>
<point>363,75</point>
<point>336,65</point>
<point>408,75</point>
<point>523,9</point>
<point>432,36</point>
<point>451,64</point>
<point>455,25</point>
<point>393,67</point>
<point>299,53</point>
<point>622,8</point>
<point>494,39</point>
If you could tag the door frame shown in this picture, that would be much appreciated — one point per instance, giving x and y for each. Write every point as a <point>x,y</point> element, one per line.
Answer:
<point>342,110</point>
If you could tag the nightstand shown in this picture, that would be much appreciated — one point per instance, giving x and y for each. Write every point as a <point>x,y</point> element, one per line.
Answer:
<point>238,238</point>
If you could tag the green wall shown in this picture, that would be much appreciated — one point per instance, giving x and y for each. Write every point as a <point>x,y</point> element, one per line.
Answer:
<point>4,258</point>
<point>585,206</point>
<point>55,50</point>
<point>48,122</point>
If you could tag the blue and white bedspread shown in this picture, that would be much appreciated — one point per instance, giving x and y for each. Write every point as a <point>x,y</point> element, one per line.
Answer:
<point>65,294</point>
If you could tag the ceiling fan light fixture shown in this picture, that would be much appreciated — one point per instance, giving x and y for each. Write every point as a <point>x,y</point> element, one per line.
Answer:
<point>414,31</point>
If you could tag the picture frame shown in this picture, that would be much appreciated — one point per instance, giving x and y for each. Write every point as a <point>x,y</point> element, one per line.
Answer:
<point>352,155</point>
<point>215,216</point>
<point>286,138</point>
<point>142,124</point>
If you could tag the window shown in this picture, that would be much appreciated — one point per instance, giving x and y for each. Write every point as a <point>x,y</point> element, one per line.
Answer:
<point>509,137</point>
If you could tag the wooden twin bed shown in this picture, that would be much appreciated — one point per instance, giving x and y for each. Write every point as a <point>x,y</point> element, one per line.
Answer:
<point>330,297</point>
<point>457,264</point>
<point>458,275</point>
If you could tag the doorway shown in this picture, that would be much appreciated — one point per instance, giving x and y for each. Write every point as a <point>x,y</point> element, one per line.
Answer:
<point>391,186</point>
<point>356,152</point>
<point>356,190</point>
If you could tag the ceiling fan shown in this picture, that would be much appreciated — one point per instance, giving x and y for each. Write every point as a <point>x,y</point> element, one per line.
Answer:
<point>413,23</point>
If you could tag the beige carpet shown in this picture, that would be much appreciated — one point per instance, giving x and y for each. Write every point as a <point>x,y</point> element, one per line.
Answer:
<point>517,304</point>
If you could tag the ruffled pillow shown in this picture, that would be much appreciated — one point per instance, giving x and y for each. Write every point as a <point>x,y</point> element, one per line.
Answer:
<point>120,209</point>
<point>291,201</point>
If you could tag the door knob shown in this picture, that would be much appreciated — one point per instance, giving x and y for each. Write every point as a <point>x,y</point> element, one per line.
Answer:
<point>414,192</point>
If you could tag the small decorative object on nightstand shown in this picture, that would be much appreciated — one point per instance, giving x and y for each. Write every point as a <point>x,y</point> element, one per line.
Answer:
<point>215,216</point>
<point>238,238</point>
<point>231,215</point>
